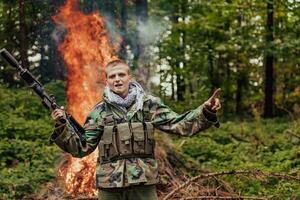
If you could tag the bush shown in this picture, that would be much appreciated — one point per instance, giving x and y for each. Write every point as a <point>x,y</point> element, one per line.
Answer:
<point>264,144</point>
<point>26,157</point>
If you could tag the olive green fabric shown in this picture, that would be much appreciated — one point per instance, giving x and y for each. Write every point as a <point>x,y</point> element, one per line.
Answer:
<point>133,193</point>
<point>137,170</point>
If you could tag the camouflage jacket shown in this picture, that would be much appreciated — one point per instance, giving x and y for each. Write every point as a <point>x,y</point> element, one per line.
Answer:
<point>130,171</point>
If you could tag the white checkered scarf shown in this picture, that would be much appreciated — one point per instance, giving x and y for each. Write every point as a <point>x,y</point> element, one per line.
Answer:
<point>135,95</point>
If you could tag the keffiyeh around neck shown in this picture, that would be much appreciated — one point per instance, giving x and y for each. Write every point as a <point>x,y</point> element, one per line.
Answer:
<point>135,95</point>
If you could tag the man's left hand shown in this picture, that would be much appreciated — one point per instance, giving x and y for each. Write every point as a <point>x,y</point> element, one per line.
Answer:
<point>213,103</point>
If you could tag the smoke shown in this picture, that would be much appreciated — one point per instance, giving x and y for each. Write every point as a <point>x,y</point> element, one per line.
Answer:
<point>115,33</point>
<point>135,35</point>
<point>58,33</point>
<point>149,33</point>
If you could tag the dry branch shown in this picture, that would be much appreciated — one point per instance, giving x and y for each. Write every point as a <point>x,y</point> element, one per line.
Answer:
<point>218,197</point>
<point>232,172</point>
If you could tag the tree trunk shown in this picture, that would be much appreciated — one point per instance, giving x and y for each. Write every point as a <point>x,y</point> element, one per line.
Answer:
<point>227,94</point>
<point>269,59</point>
<point>239,81</point>
<point>180,86</point>
<point>110,8</point>
<point>124,17</point>
<point>23,35</point>
<point>141,20</point>
<point>141,56</point>
<point>211,66</point>
<point>180,77</point>
<point>180,80</point>
<point>52,66</point>
<point>238,100</point>
<point>172,84</point>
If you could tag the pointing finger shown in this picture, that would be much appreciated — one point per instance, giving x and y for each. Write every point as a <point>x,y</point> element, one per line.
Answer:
<point>216,93</point>
<point>217,104</point>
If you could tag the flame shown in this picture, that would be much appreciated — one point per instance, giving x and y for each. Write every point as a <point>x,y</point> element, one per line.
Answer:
<point>86,49</point>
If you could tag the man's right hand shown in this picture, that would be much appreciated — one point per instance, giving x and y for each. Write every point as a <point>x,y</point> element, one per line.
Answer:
<point>59,115</point>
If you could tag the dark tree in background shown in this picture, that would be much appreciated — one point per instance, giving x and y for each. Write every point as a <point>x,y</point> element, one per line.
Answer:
<point>141,11</point>
<point>50,36</point>
<point>141,54</point>
<point>23,41</point>
<point>181,64</point>
<point>116,17</point>
<point>240,78</point>
<point>109,7</point>
<point>123,28</point>
<point>28,31</point>
<point>8,40</point>
<point>269,61</point>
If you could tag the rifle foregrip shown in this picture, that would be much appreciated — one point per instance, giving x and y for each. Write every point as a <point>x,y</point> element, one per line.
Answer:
<point>9,58</point>
<point>76,125</point>
<point>62,120</point>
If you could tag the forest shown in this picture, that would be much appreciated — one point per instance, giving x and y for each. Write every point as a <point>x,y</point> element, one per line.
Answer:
<point>180,51</point>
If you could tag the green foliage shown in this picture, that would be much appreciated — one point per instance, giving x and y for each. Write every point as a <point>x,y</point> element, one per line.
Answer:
<point>24,166</point>
<point>26,157</point>
<point>266,145</point>
<point>223,44</point>
<point>206,44</point>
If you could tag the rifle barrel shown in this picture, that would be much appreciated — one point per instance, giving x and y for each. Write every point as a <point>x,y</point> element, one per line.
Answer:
<point>10,59</point>
<point>37,87</point>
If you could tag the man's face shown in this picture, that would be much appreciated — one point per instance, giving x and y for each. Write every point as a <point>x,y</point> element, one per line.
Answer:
<point>118,80</point>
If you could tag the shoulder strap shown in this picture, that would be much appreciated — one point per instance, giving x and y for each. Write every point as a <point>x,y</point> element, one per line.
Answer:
<point>146,111</point>
<point>109,119</point>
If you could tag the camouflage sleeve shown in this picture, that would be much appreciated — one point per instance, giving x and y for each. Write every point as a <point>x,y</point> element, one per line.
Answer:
<point>189,123</point>
<point>68,140</point>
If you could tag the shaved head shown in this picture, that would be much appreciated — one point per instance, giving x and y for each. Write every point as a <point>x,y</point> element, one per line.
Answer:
<point>116,64</point>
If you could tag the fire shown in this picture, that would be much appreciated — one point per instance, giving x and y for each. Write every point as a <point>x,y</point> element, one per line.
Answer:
<point>86,49</point>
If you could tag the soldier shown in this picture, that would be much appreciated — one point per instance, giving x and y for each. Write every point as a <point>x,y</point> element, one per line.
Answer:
<point>122,126</point>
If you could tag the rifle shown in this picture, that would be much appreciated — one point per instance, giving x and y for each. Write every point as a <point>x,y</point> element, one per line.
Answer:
<point>47,100</point>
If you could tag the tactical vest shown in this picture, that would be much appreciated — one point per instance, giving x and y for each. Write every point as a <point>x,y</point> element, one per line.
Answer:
<point>121,139</point>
